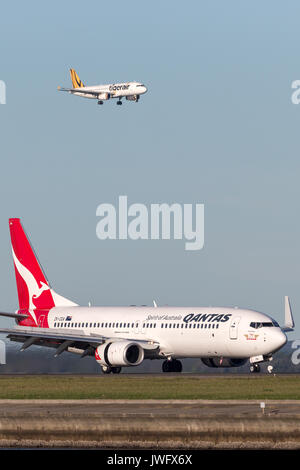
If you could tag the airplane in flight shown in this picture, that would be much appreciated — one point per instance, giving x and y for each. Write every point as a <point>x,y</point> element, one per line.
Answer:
<point>126,336</point>
<point>129,90</point>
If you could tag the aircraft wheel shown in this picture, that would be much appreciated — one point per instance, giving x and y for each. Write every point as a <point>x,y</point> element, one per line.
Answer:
<point>177,366</point>
<point>100,102</point>
<point>116,370</point>
<point>119,103</point>
<point>255,368</point>
<point>166,366</point>
<point>172,366</point>
<point>106,370</point>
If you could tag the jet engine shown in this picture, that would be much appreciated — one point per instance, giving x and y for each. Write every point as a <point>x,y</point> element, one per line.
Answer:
<point>133,98</point>
<point>223,362</point>
<point>103,96</point>
<point>119,353</point>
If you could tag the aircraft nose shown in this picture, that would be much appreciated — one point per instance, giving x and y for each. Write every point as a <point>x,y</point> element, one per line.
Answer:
<point>280,339</point>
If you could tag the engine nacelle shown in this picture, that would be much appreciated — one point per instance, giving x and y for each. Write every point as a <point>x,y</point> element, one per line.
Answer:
<point>223,362</point>
<point>119,353</point>
<point>132,97</point>
<point>103,96</point>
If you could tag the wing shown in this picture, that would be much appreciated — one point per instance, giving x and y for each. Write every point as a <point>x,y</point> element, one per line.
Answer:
<point>79,90</point>
<point>84,344</point>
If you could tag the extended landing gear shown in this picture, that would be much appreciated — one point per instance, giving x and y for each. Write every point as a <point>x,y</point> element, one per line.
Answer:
<point>255,368</point>
<point>100,102</point>
<point>119,102</point>
<point>108,370</point>
<point>172,366</point>
<point>255,360</point>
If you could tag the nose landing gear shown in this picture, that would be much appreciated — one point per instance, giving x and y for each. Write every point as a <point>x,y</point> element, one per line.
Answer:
<point>255,360</point>
<point>255,368</point>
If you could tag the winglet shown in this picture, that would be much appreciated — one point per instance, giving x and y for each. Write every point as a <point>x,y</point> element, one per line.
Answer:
<point>288,316</point>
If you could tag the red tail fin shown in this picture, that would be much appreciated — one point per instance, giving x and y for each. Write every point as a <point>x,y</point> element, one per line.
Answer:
<point>34,291</point>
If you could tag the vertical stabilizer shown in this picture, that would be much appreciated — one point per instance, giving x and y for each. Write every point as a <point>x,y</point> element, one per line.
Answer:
<point>76,82</point>
<point>34,290</point>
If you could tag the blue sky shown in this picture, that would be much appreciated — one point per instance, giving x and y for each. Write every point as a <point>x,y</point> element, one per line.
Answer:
<point>217,126</point>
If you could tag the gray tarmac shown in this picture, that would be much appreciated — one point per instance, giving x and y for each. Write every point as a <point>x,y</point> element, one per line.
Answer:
<point>150,424</point>
<point>183,409</point>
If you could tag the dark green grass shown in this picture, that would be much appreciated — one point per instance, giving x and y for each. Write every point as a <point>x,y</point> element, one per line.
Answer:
<point>134,387</point>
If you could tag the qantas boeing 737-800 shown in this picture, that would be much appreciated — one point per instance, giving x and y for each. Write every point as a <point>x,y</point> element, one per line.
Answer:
<point>129,90</point>
<point>125,336</point>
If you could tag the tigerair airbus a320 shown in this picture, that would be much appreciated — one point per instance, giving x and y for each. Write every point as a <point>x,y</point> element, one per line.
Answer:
<point>129,90</point>
<point>126,336</point>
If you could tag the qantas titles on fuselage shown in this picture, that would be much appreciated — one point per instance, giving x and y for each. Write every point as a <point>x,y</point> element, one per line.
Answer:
<point>189,318</point>
<point>125,336</point>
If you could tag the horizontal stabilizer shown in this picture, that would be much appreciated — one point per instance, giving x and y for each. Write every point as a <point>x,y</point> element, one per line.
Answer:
<point>17,316</point>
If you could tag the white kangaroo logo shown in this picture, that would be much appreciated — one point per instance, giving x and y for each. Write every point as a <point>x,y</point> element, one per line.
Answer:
<point>34,290</point>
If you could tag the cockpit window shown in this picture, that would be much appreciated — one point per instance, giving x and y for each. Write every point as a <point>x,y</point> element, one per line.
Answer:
<point>263,324</point>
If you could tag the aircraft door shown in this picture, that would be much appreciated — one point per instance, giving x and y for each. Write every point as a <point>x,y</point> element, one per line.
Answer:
<point>233,329</point>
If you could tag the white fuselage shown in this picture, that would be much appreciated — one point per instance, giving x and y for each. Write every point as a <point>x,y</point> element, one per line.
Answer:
<point>112,90</point>
<point>180,332</point>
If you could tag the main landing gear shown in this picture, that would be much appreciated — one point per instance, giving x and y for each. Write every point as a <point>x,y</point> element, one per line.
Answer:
<point>172,366</point>
<point>119,102</point>
<point>108,370</point>
<point>100,102</point>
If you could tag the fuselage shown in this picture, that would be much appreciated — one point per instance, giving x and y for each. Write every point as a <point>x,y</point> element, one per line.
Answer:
<point>113,90</point>
<point>180,331</point>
